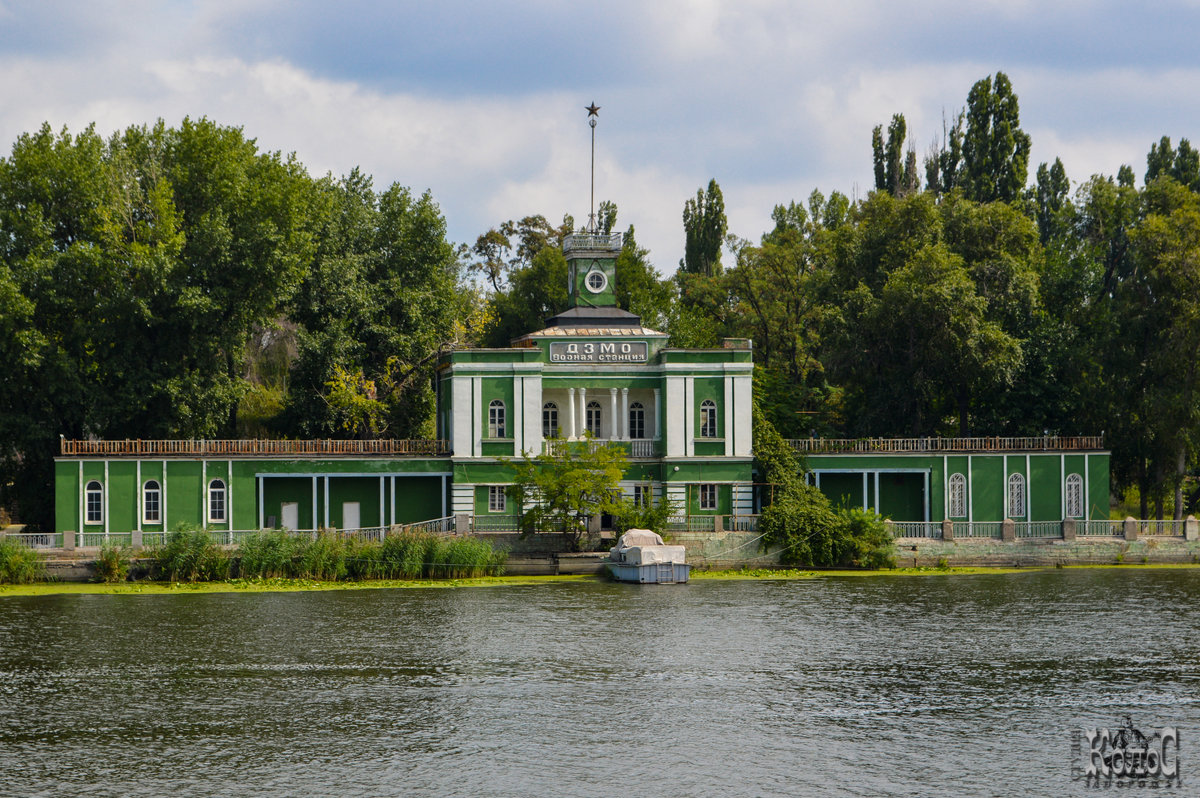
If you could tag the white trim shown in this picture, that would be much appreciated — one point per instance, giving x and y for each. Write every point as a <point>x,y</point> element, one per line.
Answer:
<point>392,513</point>
<point>205,493</point>
<point>82,499</point>
<point>262,523</point>
<point>327,501</point>
<point>970,491</point>
<point>229,491</point>
<point>1087,487</point>
<point>945,486</point>
<point>928,500</point>
<point>382,498</point>
<point>865,488</point>
<point>164,495</point>
<point>104,509</point>
<point>313,515</point>
<point>1028,490</point>
<point>443,497</point>
<point>224,519</point>
<point>139,499</point>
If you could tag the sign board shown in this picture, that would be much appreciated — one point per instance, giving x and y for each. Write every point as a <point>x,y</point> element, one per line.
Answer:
<point>598,352</point>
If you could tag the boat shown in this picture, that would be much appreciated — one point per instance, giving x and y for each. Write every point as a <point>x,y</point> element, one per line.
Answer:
<point>641,556</point>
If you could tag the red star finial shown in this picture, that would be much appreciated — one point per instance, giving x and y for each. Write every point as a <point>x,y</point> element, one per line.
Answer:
<point>593,109</point>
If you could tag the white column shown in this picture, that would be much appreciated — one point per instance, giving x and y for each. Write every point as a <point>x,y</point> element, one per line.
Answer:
<point>570,414</point>
<point>655,421</point>
<point>443,496</point>
<point>164,494</point>
<point>1028,500</point>
<point>261,521</point>
<point>313,515</point>
<point>970,492</point>
<point>624,414</point>
<point>327,501</point>
<point>392,514</point>
<point>203,492</point>
<point>229,494</point>
<point>689,416</point>
<point>107,506</point>
<point>928,499</point>
<point>382,488</point>
<point>139,496</point>
<point>865,493</point>
<point>876,491</point>
<point>82,494</point>
<point>516,427</point>
<point>612,403</point>
<point>477,417</point>
<point>582,411</point>
<point>1087,490</point>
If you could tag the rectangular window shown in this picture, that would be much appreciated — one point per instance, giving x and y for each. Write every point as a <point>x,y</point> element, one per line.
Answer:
<point>496,420</point>
<point>94,503</point>
<point>708,497</point>
<point>496,499</point>
<point>152,510</point>
<point>708,419</point>
<point>641,496</point>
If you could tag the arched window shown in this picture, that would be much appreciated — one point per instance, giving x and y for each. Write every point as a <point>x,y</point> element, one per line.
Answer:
<point>637,420</point>
<point>1016,496</point>
<point>151,502</point>
<point>593,419</point>
<point>94,503</point>
<point>958,496</point>
<point>496,420</point>
<point>708,419</point>
<point>216,500</point>
<point>1074,496</point>
<point>549,420</point>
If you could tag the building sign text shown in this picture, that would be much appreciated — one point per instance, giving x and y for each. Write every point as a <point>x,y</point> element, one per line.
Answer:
<point>598,352</point>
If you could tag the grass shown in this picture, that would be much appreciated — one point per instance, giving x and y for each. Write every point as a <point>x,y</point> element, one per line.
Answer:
<point>112,564</point>
<point>19,564</point>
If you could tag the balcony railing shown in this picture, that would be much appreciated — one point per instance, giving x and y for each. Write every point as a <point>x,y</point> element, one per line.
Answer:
<point>642,447</point>
<point>167,448</point>
<point>601,241</point>
<point>1048,443</point>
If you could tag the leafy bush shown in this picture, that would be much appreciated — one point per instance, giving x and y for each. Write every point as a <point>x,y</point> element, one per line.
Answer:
<point>190,555</point>
<point>112,564</point>
<point>19,564</point>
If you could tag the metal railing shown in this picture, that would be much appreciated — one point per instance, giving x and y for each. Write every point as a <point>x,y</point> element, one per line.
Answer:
<point>693,523</point>
<point>1038,529</point>
<point>1160,528</point>
<point>740,523</point>
<point>495,523</point>
<point>993,444</point>
<point>435,526</point>
<point>602,241</point>
<point>251,446</point>
<point>915,529</point>
<point>35,540</point>
<point>643,447</point>
<point>983,529</point>
<point>1105,527</point>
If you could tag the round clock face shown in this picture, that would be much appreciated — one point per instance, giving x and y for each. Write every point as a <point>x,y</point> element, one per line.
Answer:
<point>596,281</point>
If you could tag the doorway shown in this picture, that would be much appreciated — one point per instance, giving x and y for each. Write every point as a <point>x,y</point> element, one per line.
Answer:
<point>350,516</point>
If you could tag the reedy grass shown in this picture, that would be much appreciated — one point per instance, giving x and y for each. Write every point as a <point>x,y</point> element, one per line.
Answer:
<point>112,563</point>
<point>190,555</point>
<point>19,564</point>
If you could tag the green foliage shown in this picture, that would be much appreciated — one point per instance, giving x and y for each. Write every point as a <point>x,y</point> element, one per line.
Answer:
<point>19,564</point>
<point>557,493</point>
<point>995,149</point>
<point>329,557</point>
<point>704,228</point>
<point>112,563</point>
<point>652,516</point>
<point>190,555</point>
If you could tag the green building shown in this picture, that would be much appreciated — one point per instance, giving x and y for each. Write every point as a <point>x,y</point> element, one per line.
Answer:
<point>593,376</point>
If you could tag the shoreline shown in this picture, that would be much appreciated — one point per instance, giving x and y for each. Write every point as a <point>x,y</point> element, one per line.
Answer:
<point>148,588</point>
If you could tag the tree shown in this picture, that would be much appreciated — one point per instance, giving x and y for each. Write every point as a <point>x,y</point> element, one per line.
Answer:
<point>995,149</point>
<point>895,172</point>
<point>704,228</point>
<point>378,305</point>
<point>559,492</point>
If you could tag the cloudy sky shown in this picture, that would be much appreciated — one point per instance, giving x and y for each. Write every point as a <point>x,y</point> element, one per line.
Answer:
<point>482,102</point>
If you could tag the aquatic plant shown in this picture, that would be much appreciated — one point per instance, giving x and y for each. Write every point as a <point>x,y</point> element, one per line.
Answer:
<point>190,555</point>
<point>112,563</point>
<point>19,564</point>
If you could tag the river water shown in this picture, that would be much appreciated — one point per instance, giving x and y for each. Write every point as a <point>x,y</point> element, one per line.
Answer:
<point>855,686</point>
